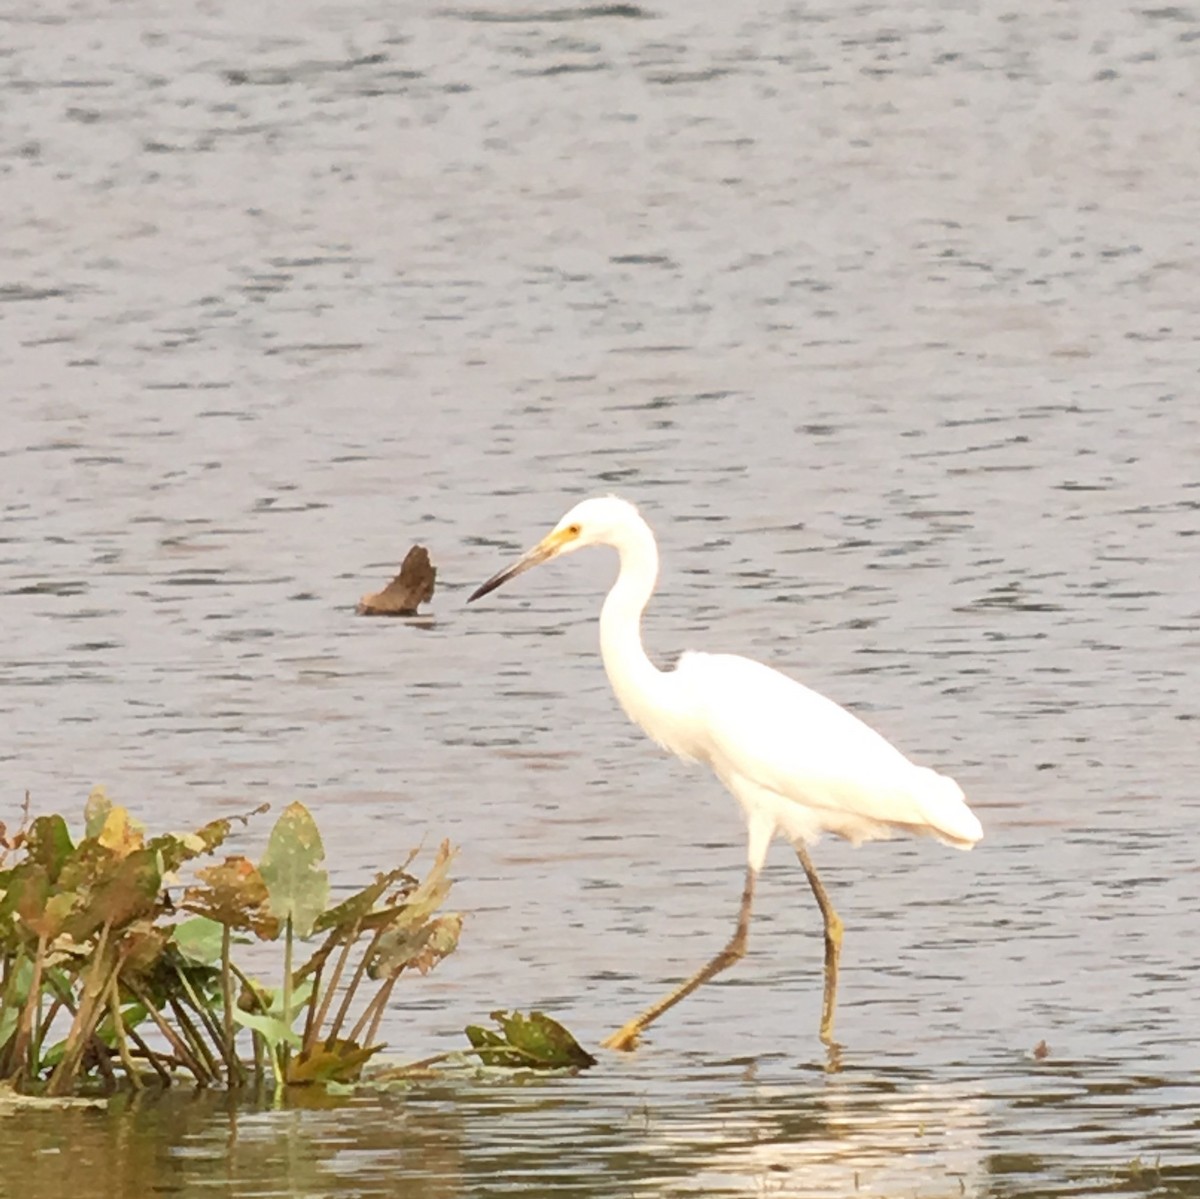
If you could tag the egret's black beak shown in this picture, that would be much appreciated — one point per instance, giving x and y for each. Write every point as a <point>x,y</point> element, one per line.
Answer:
<point>545,549</point>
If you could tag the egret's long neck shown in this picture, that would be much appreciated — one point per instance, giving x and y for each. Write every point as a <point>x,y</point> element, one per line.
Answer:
<point>642,689</point>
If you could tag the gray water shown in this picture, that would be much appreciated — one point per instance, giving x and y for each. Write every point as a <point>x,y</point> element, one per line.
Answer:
<point>887,318</point>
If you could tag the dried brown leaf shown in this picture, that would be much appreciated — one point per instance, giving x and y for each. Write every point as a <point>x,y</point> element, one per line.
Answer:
<point>410,588</point>
<point>233,893</point>
<point>416,948</point>
<point>340,1062</point>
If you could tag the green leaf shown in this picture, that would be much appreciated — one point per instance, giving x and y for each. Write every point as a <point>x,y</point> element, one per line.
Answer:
<point>52,1056</point>
<point>95,811</point>
<point>53,916</point>
<point>29,896</point>
<point>297,886</point>
<point>271,1028</point>
<point>178,848</point>
<point>19,981</point>
<point>301,994</point>
<point>8,1022</point>
<point>494,1050</point>
<point>132,1014</point>
<point>350,912</point>
<point>49,844</point>
<point>17,985</point>
<point>270,1023</point>
<point>199,940</point>
<point>533,1042</point>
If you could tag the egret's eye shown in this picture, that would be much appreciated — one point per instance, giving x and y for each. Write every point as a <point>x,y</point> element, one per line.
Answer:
<point>574,530</point>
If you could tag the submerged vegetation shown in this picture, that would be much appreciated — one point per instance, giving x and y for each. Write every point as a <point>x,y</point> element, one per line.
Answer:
<point>115,972</point>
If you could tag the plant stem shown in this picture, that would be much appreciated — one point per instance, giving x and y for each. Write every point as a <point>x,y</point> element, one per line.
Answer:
<point>155,1061</point>
<point>177,1043</point>
<point>195,1041</point>
<point>260,1066</point>
<point>402,1071</point>
<point>102,1053</point>
<point>284,1050</point>
<point>114,1010</point>
<point>25,1055</point>
<point>381,1002</point>
<point>8,974</point>
<point>224,1047</point>
<point>236,1072</point>
<point>310,1015</point>
<point>48,1018</point>
<point>95,987</point>
<point>320,1011</point>
<point>373,1012</point>
<point>344,1009</point>
<point>255,1038</point>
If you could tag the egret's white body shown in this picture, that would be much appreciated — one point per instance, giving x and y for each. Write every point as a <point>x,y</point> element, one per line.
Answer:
<point>798,764</point>
<point>785,756</point>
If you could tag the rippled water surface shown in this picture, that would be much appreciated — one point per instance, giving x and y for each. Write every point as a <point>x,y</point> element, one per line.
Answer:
<point>885,315</point>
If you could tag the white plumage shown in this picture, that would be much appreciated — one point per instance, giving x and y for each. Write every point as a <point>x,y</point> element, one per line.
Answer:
<point>797,763</point>
<point>767,733</point>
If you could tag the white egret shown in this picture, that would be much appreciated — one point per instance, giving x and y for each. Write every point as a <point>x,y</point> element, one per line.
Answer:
<point>798,764</point>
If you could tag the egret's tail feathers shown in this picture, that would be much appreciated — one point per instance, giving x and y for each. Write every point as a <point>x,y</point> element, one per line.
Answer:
<point>945,808</point>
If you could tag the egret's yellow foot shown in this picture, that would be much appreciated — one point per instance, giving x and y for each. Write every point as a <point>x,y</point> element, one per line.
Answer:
<point>833,1058</point>
<point>625,1038</point>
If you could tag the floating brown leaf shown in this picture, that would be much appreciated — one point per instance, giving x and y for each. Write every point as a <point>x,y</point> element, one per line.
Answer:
<point>410,588</point>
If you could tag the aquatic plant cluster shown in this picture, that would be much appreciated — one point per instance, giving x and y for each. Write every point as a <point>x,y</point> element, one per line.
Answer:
<point>117,972</point>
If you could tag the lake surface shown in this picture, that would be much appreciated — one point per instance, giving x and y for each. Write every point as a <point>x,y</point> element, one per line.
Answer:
<point>886,317</point>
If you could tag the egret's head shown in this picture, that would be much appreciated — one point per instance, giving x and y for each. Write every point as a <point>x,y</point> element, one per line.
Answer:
<point>598,521</point>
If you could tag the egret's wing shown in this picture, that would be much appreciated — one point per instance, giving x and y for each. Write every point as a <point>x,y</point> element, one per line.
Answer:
<point>768,729</point>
